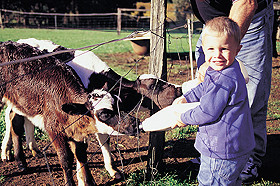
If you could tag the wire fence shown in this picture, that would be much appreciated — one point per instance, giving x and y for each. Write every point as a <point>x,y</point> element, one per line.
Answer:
<point>34,20</point>
<point>92,47</point>
<point>123,19</point>
<point>92,21</point>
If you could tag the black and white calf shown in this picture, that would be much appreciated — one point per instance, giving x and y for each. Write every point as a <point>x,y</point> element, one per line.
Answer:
<point>147,91</point>
<point>43,91</point>
<point>96,74</point>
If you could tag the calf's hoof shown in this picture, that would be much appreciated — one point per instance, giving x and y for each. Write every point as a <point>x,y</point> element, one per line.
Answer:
<point>22,166</point>
<point>37,154</point>
<point>117,176</point>
<point>6,158</point>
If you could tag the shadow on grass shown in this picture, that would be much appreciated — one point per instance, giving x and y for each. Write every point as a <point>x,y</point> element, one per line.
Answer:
<point>187,170</point>
<point>271,162</point>
<point>180,150</point>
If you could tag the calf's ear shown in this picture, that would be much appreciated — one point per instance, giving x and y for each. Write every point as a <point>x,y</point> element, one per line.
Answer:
<point>75,108</point>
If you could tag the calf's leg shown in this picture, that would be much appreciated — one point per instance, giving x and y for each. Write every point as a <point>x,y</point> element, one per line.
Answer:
<point>13,135</point>
<point>64,154</point>
<point>30,140</point>
<point>17,132</point>
<point>15,123</point>
<point>7,140</point>
<point>84,176</point>
<point>105,148</point>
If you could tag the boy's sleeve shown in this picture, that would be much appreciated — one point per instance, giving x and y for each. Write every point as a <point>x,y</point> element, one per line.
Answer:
<point>211,105</point>
<point>194,94</point>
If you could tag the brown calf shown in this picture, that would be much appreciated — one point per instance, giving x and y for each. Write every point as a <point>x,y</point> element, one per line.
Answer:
<point>37,90</point>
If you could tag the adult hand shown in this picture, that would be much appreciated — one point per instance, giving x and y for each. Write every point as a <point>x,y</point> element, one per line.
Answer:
<point>179,122</point>
<point>202,71</point>
<point>242,12</point>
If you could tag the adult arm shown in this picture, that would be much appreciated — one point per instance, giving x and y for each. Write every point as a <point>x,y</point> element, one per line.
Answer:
<point>242,12</point>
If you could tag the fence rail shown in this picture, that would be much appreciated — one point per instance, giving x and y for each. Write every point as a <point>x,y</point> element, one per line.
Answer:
<point>123,19</point>
<point>11,18</point>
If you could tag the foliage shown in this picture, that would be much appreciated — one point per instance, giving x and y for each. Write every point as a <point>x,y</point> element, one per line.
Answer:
<point>2,178</point>
<point>172,179</point>
<point>67,6</point>
<point>182,6</point>
<point>2,125</point>
<point>274,110</point>
<point>181,133</point>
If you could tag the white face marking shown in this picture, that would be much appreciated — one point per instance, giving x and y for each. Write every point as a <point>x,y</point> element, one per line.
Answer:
<point>105,129</point>
<point>101,99</point>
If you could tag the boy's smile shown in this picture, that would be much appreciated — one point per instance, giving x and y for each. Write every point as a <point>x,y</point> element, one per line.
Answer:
<point>219,50</point>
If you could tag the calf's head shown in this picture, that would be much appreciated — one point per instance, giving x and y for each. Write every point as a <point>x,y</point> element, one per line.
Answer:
<point>101,106</point>
<point>161,92</point>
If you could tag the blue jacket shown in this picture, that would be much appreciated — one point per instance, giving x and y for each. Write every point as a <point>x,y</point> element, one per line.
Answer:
<point>224,117</point>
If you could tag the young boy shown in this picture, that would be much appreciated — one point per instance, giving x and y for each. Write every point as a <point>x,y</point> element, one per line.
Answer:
<point>225,138</point>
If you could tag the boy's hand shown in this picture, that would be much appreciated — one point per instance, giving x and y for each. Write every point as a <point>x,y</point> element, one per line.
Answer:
<point>179,100</point>
<point>202,71</point>
<point>179,122</point>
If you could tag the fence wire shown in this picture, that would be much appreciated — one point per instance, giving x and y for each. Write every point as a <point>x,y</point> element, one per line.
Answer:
<point>92,47</point>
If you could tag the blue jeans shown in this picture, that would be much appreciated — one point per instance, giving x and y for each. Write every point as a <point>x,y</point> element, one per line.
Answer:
<point>256,54</point>
<point>217,172</point>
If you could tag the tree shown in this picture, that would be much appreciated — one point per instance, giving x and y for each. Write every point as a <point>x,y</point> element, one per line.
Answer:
<point>182,6</point>
<point>67,6</point>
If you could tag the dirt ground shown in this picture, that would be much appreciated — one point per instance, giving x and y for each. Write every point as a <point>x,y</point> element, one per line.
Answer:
<point>130,153</point>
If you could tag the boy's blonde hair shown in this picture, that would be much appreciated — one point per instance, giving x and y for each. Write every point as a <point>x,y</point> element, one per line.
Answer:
<point>223,26</point>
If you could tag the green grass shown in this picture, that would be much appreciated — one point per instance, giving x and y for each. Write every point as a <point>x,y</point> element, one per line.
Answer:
<point>274,110</point>
<point>72,38</point>
<point>172,179</point>
<point>177,42</point>
<point>2,125</point>
<point>2,179</point>
<point>181,133</point>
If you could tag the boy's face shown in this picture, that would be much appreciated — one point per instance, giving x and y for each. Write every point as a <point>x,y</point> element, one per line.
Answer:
<point>219,50</point>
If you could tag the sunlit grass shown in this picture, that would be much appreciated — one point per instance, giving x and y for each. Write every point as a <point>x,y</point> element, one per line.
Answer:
<point>74,38</point>
<point>181,133</point>
<point>2,125</point>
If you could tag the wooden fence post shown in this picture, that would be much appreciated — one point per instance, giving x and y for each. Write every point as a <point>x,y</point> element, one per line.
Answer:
<point>55,21</point>
<point>190,46</point>
<point>1,23</point>
<point>158,67</point>
<point>119,21</point>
